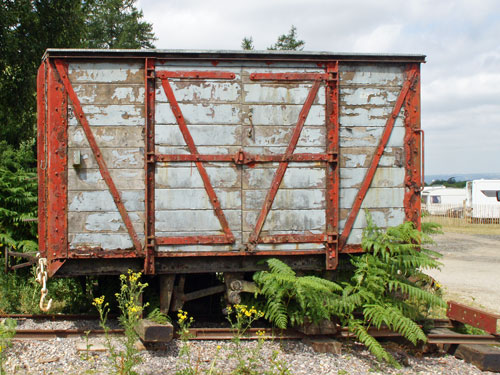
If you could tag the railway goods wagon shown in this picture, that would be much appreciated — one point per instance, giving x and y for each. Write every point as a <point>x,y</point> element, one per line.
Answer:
<point>183,162</point>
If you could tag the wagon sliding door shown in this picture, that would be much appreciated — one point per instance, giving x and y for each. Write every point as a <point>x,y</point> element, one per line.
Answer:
<point>241,158</point>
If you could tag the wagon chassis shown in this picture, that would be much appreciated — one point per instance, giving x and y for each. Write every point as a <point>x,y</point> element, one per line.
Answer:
<point>52,130</point>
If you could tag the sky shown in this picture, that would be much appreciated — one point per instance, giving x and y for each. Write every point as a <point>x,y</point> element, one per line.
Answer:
<point>461,38</point>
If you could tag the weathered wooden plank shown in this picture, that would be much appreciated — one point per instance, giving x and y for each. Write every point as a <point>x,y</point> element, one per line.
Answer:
<point>102,201</point>
<point>280,150</point>
<point>289,247</point>
<point>195,220</point>
<point>106,241</point>
<point>197,114</point>
<point>82,222</point>
<point>109,93</point>
<point>203,135</point>
<point>201,91</point>
<point>280,93</point>
<point>362,136</point>
<point>126,158</point>
<point>286,199</point>
<point>284,115</point>
<point>111,115</point>
<point>382,217</point>
<point>300,220</point>
<point>294,178</point>
<point>355,236</point>
<point>111,72</point>
<point>369,96</point>
<point>204,150</point>
<point>375,197</point>
<point>371,116</point>
<point>195,199</point>
<point>197,248</point>
<point>373,75</point>
<point>384,177</point>
<point>91,179</point>
<point>360,157</point>
<point>281,135</point>
<point>174,176</point>
<point>108,136</point>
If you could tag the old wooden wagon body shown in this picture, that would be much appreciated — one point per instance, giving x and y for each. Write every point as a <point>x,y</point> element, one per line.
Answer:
<point>179,162</point>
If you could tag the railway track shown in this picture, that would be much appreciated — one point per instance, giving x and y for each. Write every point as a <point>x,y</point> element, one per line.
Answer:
<point>442,336</point>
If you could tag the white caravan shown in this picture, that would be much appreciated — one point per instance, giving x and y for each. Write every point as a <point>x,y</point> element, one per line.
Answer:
<point>443,200</point>
<point>483,199</point>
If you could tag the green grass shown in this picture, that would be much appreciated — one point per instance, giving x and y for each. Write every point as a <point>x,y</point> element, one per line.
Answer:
<point>455,225</point>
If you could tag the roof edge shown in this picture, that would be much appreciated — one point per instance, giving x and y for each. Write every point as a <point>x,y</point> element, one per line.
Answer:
<point>232,55</point>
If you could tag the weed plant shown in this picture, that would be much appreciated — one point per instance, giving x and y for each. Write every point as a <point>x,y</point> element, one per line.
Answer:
<point>131,308</point>
<point>7,332</point>
<point>383,288</point>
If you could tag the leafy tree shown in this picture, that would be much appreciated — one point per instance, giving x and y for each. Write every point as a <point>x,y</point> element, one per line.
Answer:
<point>28,28</point>
<point>116,24</point>
<point>288,41</point>
<point>247,43</point>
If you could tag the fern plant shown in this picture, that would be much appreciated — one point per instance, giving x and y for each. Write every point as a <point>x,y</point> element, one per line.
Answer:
<point>380,291</point>
<point>18,197</point>
<point>291,299</point>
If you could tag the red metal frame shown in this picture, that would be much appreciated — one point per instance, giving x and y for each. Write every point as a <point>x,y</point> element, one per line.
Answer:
<point>57,175</point>
<point>474,317</point>
<point>62,69</point>
<point>413,153</point>
<point>41,157</point>
<point>149,165</point>
<point>409,82</point>
<point>228,236</point>
<point>332,172</point>
<point>243,157</point>
<point>280,171</point>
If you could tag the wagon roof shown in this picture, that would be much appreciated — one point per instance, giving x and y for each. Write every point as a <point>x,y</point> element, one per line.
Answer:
<point>233,55</point>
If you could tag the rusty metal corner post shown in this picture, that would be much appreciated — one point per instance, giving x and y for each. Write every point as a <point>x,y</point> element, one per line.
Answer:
<point>414,178</point>
<point>332,168</point>
<point>57,171</point>
<point>149,165</point>
<point>42,157</point>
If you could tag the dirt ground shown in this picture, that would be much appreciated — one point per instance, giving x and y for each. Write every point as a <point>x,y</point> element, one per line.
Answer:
<point>471,270</point>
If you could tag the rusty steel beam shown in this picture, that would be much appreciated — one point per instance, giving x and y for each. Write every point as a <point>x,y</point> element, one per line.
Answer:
<point>42,158</point>
<point>57,174</point>
<point>413,152</point>
<point>62,69</point>
<point>149,165</point>
<point>332,169</point>
<point>280,172</point>
<point>294,238</point>
<point>164,74</point>
<point>289,76</point>
<point>194,240</point>
<point>474,317</point>
<point>409,82</point>
<point>199,165</point>
<point>246,158</point>
<point>183,254</point>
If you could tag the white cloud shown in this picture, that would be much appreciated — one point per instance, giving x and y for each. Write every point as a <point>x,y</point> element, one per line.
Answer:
<point>460,81</point>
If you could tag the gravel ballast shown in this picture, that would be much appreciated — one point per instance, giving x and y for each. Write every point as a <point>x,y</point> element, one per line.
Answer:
<point>60,356</point>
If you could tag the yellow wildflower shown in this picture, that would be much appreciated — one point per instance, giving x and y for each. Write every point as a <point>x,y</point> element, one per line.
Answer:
<point>98,301</point>
<point>219,347</point>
